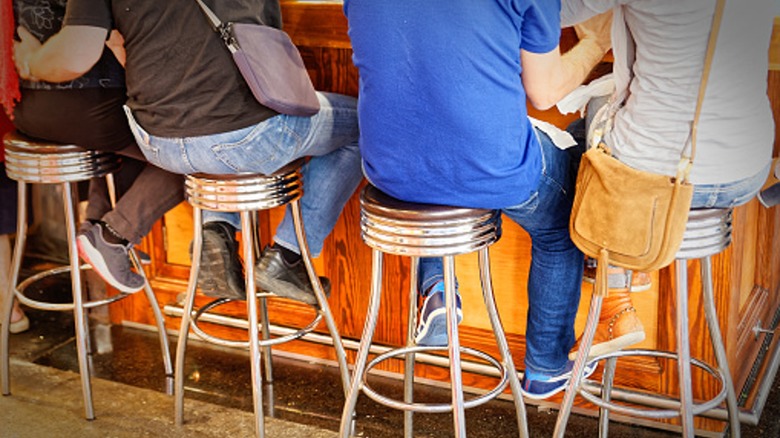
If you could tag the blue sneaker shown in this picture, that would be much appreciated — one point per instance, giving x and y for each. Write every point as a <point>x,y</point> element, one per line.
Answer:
<point>432,324</point>
<point>540,386</point>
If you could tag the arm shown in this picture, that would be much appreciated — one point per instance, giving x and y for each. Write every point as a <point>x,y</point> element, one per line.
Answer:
<point>547,77</point>
<point>116,42</point>
<point>577,11</point>
<point>64,57</point>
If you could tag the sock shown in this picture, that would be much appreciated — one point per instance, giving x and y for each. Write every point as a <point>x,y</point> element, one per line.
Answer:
<point>289,256</point>
<point>111,236</point>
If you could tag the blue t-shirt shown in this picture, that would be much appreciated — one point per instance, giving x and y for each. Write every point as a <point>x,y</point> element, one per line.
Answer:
<point>442,108</point>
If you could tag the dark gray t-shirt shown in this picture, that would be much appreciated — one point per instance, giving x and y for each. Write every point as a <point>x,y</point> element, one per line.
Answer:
<point>43,19</point>
<point>181,79</point>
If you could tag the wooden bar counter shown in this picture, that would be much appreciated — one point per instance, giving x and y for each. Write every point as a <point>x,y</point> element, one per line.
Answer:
<point>747,274</point>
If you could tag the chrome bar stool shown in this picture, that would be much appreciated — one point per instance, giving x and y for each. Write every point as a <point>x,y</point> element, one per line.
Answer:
<point>391,226</point>
<point>707,233</point>
<point>247,194</point>
<point>30,161</point>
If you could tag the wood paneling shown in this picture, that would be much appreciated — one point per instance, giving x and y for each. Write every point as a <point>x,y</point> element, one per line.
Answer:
<point>746,280</point>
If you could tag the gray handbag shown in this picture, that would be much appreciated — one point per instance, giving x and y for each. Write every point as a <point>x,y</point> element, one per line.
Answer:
<point>270,64</point>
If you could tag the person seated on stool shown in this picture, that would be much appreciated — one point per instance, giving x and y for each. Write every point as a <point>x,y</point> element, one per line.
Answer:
<point>443,118</point>
<point>192,112</point>
<point>735,131</point>
<point>85,109</point>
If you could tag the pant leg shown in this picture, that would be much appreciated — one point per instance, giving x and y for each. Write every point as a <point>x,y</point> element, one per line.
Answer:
<point>153,192</point>
<point>99,203</point>
<point>555,276</point>
<point>331,175</point>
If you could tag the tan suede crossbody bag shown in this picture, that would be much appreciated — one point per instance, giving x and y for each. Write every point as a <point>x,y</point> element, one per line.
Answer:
<point>632,218</point>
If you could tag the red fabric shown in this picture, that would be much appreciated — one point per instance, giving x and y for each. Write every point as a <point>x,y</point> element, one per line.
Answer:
<point>5,126</point>
<point>9,80</point>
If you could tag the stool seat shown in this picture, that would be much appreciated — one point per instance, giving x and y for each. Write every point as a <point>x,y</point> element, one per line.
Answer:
<point>707,233</point>
<point>30,161</point>
<point>245,192</point>
<point>41,162</point>
<point>396,227</point>
<point>392,226</point>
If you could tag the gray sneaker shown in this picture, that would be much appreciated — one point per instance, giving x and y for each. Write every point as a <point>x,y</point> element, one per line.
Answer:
<point>221,273</point>
<point>109,260</point>
<point>143,257</point>
<point>274,274</point>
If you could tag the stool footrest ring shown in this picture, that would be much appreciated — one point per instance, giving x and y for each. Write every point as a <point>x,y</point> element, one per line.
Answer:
<point>434,407</point>
<point>41,305</point>
<point>245,344</point>
<point>697,409</point>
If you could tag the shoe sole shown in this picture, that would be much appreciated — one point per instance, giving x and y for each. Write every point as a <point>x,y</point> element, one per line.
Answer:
<point>546,395</point>
<point>633,288</point>
<point>613,345</point>
<point>434,333</point>
<point>283,289</point>
<point>86,253</point>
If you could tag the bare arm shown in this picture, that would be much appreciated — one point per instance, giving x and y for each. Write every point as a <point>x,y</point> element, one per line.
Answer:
<point>547,77</point>
<point>116,42</point>
<point>64,57</point>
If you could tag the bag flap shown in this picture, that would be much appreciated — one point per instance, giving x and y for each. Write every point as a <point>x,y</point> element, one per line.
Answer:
<point>617,206</point>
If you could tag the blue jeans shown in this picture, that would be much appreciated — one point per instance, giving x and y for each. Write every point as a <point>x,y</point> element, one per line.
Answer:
<point>330,177</point>
<point>729,194</point>
<point>555,278</point>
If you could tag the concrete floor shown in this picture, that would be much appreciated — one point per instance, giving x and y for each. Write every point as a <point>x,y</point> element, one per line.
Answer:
<point>129,391</point>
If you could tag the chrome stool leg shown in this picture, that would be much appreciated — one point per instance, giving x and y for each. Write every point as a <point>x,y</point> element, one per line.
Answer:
<point>683,348</point>
<point>79,313</point>
<point>347,415</point>
<point>189,304</point>
<point>503,345</point>
<point>150,297</point>
<point>718,345</point>
<point>322,299</point>
<point>458,415</point>
<point>409,360</point>
<point>578,371</point>
<point>8,290</point>
<point>252,315</point>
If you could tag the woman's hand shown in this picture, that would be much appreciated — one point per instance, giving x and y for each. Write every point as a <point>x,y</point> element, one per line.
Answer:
<point>23,50</point>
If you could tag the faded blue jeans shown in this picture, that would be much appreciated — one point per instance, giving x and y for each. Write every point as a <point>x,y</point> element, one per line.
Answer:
<point>330,177</point>
<point>555,278</point>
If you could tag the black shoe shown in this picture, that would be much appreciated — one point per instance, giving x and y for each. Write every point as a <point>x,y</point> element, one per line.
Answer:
<point>221,273</point>
<point>275,275</point>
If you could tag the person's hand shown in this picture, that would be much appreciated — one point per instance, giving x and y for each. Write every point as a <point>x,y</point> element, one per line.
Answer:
<point>598,29</point>
<point>23,50</point>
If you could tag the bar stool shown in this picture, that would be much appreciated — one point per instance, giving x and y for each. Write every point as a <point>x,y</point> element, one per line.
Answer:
<point>37,162</point>
<point>391,226</point>
<point>707,233</point>
<point>247,194</point>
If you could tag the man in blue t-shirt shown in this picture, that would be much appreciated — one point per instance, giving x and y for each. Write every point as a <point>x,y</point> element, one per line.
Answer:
<point>443,120</point>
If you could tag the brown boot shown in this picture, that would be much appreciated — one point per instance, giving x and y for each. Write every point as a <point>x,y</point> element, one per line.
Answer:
<point>618,326</point>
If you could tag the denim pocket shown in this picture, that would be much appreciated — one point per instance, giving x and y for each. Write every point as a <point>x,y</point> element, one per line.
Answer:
<point>263,148</point>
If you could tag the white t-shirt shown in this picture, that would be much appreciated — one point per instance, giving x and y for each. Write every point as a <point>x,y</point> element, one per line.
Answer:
<point>736,129</point>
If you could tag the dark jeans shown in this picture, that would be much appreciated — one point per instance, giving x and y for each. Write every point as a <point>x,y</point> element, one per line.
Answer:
<point>94,119</point>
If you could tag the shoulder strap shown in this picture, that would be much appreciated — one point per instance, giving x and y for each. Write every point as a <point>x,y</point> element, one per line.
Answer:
<point>223,29</point>
<point>705,74</point>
